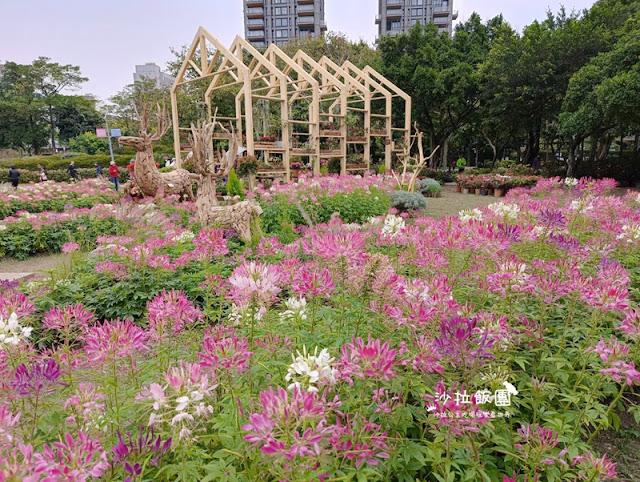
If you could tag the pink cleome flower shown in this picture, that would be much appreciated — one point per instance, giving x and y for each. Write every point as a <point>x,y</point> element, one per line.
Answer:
<point>114,339</point>
<point>168,312</point>
<point>254,281</point>
<point>70,247</point>
<point>68,319</point>
<point>373,359</point>
<point>223,350</point>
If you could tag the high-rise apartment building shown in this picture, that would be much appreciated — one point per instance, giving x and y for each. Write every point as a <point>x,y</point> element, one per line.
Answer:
<point>278,21</point>
<point>398,16</point>
<point>153,72</point>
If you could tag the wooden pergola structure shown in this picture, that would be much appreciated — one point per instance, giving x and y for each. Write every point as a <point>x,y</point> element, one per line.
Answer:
<point>312,102</point>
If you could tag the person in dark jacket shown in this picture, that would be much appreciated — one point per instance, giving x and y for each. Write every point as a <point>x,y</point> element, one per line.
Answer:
<point>98,170</point>
<point>71,169</point>
<point>14,176</point>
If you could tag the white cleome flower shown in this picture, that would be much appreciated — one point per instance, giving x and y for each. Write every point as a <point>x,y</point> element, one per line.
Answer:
<point>581,205</point>
<point>505,210</point>
<point>183,237</point>
<point>393,225</point>
<point>3,227</point>
<point>308,370</point>
<point>11,332</point>
<point>630,232</point>
<point>296,309</point>
<point>570,182</point>
<point>470,215</point>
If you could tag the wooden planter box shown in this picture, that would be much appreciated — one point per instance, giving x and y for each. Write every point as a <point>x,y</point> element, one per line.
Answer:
<point>379,133</point>
<point>331,152</point>
<point>357,139</point>
<point>330,133</point>
<point>356,167</point>
<point>302,152</point>
<point>264,145</point>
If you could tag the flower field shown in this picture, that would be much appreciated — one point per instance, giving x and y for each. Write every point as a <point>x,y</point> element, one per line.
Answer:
<point>495,345</point>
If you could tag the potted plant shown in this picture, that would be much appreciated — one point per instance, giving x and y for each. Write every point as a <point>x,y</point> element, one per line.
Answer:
<point>296,166</point>
<point>247,167</point>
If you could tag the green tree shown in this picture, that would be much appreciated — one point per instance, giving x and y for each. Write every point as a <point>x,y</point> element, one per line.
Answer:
<point>49,79</point>
<point>440,73</point>
<point>337,47</point>
<point>89,143</point>
<point>75,115</point>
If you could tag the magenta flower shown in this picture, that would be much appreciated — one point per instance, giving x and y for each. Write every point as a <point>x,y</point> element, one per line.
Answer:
<point>373,359</point>
<point>290,425</point>
<point>334,246</point>
<point>453,415</point>
<point>13,301</point>
<point>38,378</point>
<point>133,455</point>
<point>7,421</point>
<point>72,459</point>
<point>114,339</point>
<point>222,349</point>
<point>118,270</point>
<point>70,247</point>
<point>538,443</point>
<point>355,438</point>
<point>611,351</point>
<point>460,342</point>
<point>594,468</point>
<point>254,281</point>
<point>169,312</point>
<point>209,244</point>
<point>312,281</point>
<point>86,402</point>
<point>71,318</point>
<point>631,324</point>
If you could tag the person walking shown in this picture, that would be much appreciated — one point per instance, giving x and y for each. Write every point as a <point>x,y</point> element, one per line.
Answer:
<point>71,169</point>
<point>114,172</point>
<point>43,173</point>
<point>536,165</point>
<point>461,164</point>
<point>98,170</point>
<point>14,176</point>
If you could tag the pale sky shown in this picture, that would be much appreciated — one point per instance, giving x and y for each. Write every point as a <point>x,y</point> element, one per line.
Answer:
<point>107,38</point>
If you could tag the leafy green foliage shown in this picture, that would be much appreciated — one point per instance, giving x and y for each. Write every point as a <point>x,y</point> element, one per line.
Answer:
<point>234,185</point>
<point>89,143</point>
<point>430,186</point>
<point>408,201</point>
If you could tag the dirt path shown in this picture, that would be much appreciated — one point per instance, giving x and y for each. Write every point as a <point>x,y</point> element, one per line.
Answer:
<point>451,203</point>
<point>35,264</point>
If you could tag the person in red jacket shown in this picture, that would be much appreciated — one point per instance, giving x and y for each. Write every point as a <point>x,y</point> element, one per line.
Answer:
<point>113,174</point>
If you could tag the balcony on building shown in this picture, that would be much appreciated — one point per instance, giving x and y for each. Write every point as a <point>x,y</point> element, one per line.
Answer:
<point>255,12</point>
<point>306,33</point>
<point>323,26</point>
<point>306,21</point>
<point>254,3</point>
<point>391,14</point>
<point>255,23</point>
<point>395,3</point>
<point>259,44</point>
<point>378,19</point>
<point>441,11</point>
<point>455,15</point>
<point>255,34</point>
<point>303,2</point>
<point>306,9</point>
<point>394,31</point>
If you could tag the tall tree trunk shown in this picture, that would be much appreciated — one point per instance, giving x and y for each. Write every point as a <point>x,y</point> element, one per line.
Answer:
<point>533,146</point>
<point>445,152</point>
<point>492,145</point>
<point>52,126</point>
<point>605,144</point>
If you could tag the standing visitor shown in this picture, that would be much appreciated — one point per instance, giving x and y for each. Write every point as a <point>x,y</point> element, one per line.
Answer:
<point>114,172</point>
<point>14,176</point>
<point>167,161</point>
<point>98,170</point>
<point>43,173</point>
<point>71,169</point>
<point>536,164</point>
<point>461,164</point>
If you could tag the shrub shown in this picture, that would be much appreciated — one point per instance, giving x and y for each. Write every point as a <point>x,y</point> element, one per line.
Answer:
<point>408,201</point>
<point>61,175</point>
<point>234,186</point>
<point>89,143</point>
<point>430,186</point>
<point>354,207</point>
<point>59,162</point>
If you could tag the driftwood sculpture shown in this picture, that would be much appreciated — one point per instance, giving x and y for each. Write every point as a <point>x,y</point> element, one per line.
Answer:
<point>238,216</point>
<point>417,164</point>
<point>146,175</point>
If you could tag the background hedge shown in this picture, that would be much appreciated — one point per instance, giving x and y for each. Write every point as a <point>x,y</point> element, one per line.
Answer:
<point>58,162</point>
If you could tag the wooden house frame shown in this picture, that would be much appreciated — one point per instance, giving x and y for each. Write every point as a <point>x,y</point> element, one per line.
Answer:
<point>319,92</point>
<point>403,97</point>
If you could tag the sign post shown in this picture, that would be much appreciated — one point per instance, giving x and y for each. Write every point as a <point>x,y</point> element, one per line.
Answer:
<point>109,137</point>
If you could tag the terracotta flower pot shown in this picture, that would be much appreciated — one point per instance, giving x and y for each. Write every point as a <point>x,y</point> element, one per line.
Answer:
<point>478,190</point>
<point>498,192</point>
<point>490,193</point>
<point>465,190</point>
<point>458,188</point>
